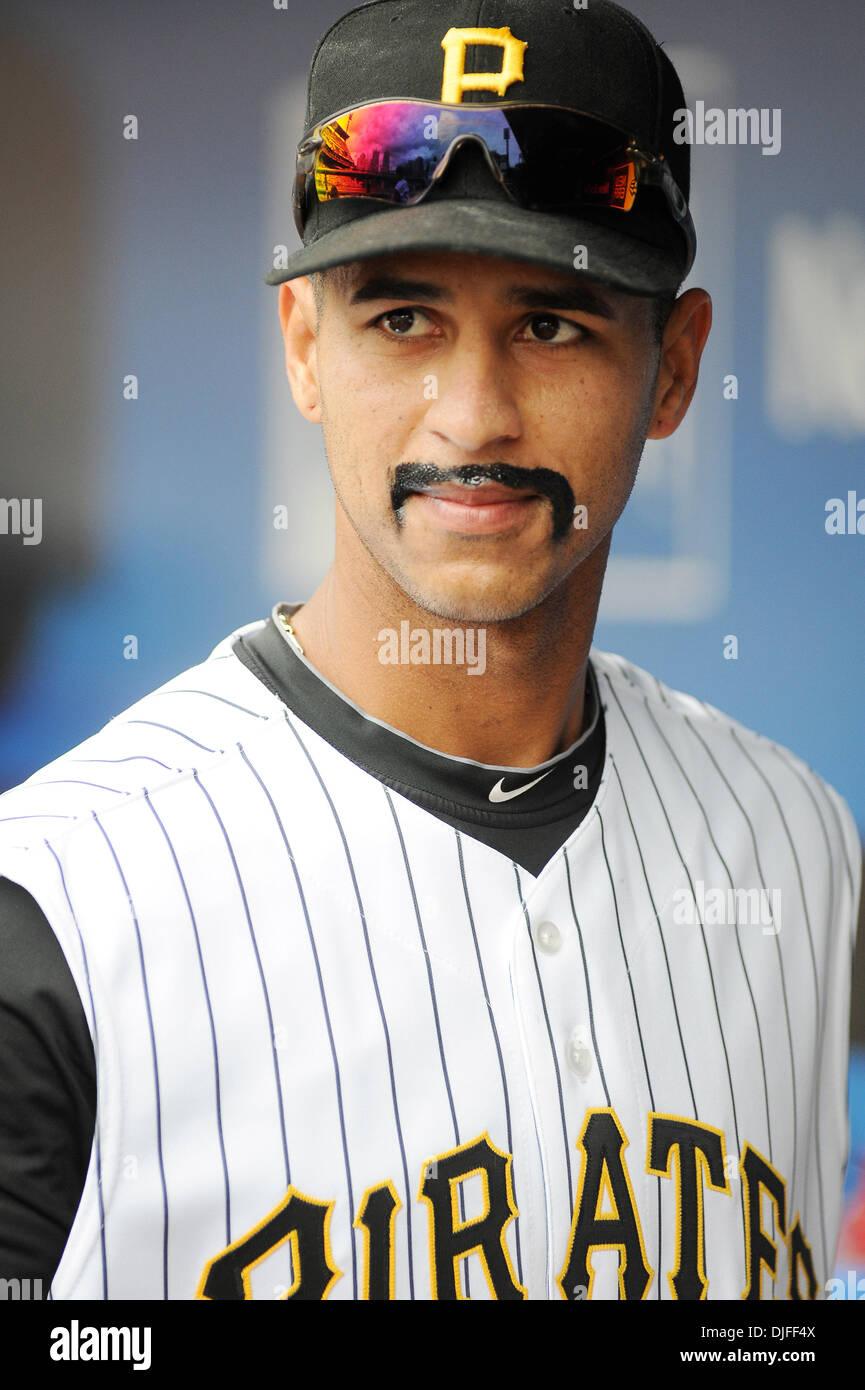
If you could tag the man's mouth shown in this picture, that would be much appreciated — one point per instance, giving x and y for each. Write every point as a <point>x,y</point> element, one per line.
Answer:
<point>475,495</point>
<point>474,510</point>
<point>481,500</point>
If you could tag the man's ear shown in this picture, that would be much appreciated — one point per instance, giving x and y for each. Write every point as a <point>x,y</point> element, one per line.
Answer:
<point>684,339</point>
<point>298,318</point>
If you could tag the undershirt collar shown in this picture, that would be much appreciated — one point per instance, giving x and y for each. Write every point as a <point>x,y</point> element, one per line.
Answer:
<point>525,812</point>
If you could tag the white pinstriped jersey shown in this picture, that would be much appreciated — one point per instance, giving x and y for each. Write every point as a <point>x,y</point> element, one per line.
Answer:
<point>344,1050</point>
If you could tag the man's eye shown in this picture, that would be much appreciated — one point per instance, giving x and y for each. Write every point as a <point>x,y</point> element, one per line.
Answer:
<point>403,323</point>
<point>549,328</point>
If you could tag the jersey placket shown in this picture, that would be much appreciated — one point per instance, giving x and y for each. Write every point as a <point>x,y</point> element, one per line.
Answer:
<point>553,1014</point>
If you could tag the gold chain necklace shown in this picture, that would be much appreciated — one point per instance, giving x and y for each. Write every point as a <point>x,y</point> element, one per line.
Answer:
<point>287,628</point>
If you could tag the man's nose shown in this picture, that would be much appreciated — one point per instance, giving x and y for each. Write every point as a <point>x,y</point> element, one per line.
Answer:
<point>474,405</point>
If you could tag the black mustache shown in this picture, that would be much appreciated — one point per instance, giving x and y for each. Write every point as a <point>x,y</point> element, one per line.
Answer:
<point>410,477</point>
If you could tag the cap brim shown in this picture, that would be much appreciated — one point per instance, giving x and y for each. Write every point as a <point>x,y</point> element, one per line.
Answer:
<point>488,227</point>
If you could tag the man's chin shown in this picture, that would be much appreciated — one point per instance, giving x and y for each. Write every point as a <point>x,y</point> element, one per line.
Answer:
<point>497,604</point>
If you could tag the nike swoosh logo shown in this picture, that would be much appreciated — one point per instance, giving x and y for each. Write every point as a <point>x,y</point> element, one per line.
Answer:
<point>498,795</point>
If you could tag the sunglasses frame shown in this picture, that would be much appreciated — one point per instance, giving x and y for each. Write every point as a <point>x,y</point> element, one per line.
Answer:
<point>652,170</point>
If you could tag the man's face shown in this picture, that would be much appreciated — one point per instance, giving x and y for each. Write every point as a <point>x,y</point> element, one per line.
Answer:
<point>472,408</point>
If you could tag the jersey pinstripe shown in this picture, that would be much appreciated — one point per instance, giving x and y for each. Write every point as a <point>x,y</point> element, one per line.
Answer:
<point>312,1001</point>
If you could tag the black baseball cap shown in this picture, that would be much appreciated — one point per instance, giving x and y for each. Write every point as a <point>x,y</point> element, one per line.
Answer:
<point>599,60</point>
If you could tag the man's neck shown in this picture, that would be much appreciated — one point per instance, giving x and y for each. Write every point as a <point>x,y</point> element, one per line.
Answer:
<point>512,693</point>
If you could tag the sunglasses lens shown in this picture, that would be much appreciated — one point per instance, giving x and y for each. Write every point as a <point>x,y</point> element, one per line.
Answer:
<point>546,157</point>
<point>392,150</point>
<point>562,155</point>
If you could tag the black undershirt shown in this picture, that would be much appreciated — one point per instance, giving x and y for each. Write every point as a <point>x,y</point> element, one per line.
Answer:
<point>47,1065</point>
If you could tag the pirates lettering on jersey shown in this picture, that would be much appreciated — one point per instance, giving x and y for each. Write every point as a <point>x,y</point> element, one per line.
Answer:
<point>604,1180</point>
<point>761,1252</point>
<point>605,1217</point>
<point>456,80</point>
<point>376,1218</point>
<point>298,1219</point>
<point>697,1150</point>
<point>450,1239</point>
<point>800,1257</point>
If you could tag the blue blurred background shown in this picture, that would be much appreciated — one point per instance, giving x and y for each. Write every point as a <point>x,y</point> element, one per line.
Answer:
<point>144,258</point>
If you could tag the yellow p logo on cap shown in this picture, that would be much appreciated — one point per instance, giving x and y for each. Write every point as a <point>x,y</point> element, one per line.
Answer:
<point>456,80</point>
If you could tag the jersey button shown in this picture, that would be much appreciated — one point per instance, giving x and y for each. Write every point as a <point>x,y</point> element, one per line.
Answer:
<point>578,1054</point>
<point>548,938</point>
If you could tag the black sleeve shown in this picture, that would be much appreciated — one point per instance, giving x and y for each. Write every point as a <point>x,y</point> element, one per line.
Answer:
<point>47,1092</point>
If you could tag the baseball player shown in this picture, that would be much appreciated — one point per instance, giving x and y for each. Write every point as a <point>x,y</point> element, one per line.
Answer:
<point>408,946</point>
